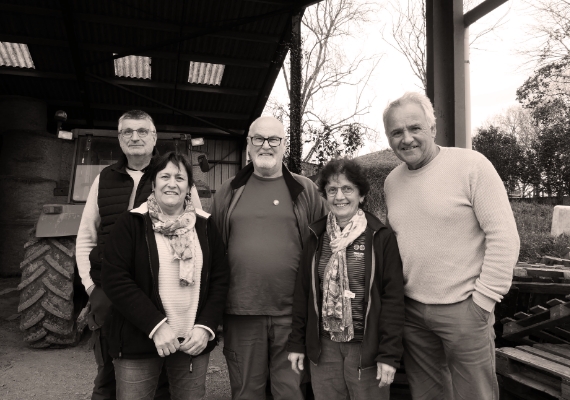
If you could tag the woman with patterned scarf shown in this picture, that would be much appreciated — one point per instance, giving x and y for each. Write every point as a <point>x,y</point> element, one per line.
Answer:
<point>166,273</point>
<point>348,307</point>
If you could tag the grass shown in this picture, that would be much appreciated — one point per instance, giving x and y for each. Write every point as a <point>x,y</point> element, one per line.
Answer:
<point>533,223</point>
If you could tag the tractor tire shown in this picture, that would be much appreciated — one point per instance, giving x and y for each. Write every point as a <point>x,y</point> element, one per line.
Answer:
<point>46,293</point>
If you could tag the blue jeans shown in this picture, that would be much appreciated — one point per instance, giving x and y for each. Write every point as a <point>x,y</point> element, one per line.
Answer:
<point>336,375</point>
<point>449,351</point>
<point>137,379</point>
<point>254,346</point>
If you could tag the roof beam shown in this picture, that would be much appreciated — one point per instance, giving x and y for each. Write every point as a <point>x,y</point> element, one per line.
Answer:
<point>131,82</point>
<point>481,10</point>
<point>155,54</point>
<point>165,26</point>
<point>160,103</point>
<point>78,65</point>
<point>151,110</point>
<point>165,128</point>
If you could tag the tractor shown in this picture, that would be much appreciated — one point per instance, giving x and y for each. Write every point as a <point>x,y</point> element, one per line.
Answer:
<point>52,299</point>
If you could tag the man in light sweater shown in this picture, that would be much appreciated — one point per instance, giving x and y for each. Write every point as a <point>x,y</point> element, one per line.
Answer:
<point>118,188</point>
<point>459,243</point>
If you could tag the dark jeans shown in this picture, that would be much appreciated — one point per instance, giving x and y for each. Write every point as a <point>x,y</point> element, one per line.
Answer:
<point>137,379</point>
<point>254,346</point>
<point>449,351</point>
<point>104,385</point>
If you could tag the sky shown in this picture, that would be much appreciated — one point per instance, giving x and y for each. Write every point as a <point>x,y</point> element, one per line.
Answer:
<point>497,70</point>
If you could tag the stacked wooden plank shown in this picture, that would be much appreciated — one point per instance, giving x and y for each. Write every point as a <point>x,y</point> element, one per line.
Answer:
<point>541,324</point>
<point>541,372</point>
<point>551,276</point>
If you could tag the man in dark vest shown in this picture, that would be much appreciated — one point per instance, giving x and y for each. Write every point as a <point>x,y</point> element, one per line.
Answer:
<point>118,188</point>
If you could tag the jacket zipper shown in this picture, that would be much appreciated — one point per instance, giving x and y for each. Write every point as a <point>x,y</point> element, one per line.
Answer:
<point>205,286</point>
<point>154,280</point>
<point>313,263</point>
<point>372,274</point>
<point>121,338</point>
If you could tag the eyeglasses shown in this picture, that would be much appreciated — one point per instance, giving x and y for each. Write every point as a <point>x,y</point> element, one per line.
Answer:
<point>141,132</point>
<point>333,190</point>
<point>260,140</point>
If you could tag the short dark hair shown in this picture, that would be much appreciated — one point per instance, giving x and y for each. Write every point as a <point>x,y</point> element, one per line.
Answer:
<point>136,114</point>
<point>351,169</point>
<point>180,160</point>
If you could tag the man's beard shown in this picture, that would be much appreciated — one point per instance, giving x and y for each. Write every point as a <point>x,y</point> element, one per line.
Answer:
<point>265,162</point>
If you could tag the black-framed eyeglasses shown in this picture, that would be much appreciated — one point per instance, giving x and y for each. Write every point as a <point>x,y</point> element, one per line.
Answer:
<point>142,132</point>
<point>259,140</point>
<point>333,190</point>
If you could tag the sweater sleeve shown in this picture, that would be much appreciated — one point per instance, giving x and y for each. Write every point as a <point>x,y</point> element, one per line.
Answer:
<point>493,211</point>
<point>87,234</point>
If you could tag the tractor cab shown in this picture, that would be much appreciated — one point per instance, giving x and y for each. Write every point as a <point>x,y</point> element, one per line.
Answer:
<point>96,149</point>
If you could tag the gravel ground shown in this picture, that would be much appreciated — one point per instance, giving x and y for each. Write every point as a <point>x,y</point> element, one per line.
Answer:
<point>63,374</point>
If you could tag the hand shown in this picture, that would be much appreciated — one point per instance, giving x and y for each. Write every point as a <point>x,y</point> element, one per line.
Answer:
<point>197,342</point>
<point>165,340</point>
<point>297,360</point>
<point>385,374</point>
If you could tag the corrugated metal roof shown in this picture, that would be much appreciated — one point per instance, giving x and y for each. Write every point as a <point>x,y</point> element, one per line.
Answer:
<point>133,67</point>
<point>206,73</point>
<point>222,71</point>
<point>15,55</point>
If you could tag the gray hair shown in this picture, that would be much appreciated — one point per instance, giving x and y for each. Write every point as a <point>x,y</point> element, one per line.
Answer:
<point>138,115</point>
<point>416,98</point>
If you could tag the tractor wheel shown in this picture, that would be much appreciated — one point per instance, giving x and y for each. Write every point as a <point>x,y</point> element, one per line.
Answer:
<point>46,293</point>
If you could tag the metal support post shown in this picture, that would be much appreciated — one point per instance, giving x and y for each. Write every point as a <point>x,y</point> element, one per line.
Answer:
<point>295,117</point>
<point>446,70</point>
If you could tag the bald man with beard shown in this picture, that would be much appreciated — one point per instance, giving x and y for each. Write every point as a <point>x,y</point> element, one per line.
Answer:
<point>264,214</point>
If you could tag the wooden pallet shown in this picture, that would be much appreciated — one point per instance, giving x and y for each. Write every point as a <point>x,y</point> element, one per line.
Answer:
<point>550,325</point>
<point>534,373</point>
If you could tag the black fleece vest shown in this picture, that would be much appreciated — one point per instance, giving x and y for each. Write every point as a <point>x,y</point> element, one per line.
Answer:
<point>115,188</point>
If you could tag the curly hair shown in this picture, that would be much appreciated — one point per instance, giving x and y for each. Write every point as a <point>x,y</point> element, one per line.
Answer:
<point>351,169</point>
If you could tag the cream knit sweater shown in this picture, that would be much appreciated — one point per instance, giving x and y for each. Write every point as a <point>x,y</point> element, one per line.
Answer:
<point>455,229</point>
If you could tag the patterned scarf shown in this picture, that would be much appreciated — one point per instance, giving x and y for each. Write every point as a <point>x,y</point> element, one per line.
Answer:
<point>337,310</point>
<point>181,235</point>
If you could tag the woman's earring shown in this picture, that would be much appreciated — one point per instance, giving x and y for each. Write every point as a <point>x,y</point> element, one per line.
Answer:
<point>188,196</point>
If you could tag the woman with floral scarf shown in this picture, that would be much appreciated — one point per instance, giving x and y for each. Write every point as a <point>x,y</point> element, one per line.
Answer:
<point>348,307</point>
<point>165,272</point>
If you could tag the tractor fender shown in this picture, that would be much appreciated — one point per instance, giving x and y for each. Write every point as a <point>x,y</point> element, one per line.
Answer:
<point>58,220</point>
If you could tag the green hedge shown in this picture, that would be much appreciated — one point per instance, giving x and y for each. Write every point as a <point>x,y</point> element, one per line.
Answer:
<point>377,166</point>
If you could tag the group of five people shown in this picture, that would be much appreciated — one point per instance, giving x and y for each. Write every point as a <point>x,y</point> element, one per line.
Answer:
<point>307,284</point>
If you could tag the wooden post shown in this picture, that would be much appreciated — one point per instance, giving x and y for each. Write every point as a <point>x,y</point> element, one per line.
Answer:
<point>295,117</point>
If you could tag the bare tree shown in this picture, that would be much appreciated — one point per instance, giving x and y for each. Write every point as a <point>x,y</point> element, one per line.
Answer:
<point>515,121</point>
<point>407,32</point>
<point>550,30</point>
<point>326,67</point>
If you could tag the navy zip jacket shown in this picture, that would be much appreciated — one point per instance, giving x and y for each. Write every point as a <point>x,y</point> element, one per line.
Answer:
<point>129,278</point>
<point>384,297</point>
